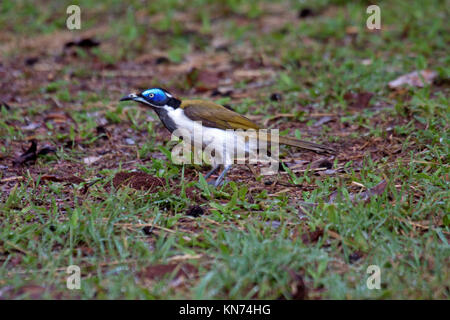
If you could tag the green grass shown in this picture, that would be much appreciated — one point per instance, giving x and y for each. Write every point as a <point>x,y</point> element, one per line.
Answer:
<point>249,239</point>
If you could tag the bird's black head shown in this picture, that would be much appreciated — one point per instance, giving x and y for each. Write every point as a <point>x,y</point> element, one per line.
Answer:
<point>154,97</point>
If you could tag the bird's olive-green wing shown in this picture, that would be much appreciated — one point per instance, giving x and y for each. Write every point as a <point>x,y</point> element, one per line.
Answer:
<point>215,116</point>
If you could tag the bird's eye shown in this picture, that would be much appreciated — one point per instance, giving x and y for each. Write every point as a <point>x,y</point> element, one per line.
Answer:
<point>151,95</point>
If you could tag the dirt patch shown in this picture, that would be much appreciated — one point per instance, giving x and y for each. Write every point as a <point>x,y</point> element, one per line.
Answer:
<point>195,211</point>
<point>312,236</point>
<point>358,100</point>
<point>138,181</point>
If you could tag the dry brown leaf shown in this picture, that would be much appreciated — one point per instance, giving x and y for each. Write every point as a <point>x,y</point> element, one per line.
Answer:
<point>414,79</point>
<point>363,196</point>
<point>91,160</point>
<point>137,180</point>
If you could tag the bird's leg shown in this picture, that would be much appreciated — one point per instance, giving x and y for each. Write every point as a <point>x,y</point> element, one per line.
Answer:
<point>222,175</point>
<point>214,169</point>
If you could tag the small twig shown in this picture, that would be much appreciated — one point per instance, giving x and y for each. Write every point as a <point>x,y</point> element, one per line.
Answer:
<point>15,178</point>
<point>418,225</point>
<point>141,225</point>
<point>279,115</point>
<point>15,246</point>
<point>279,192</point>
<point>102,264</point>
<point>314,170</point>
<point>185,257</point>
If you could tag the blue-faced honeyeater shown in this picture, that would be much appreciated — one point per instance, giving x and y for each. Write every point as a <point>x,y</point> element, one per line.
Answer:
<point>215,121</point>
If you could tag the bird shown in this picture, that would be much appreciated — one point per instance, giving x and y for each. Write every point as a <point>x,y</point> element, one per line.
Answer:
<point>215,122</point>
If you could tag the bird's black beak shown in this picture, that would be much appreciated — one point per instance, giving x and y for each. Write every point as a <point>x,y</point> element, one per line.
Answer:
<point>129,97</point>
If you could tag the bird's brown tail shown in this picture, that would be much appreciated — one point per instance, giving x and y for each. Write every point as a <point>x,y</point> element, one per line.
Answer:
<point>306,145</point>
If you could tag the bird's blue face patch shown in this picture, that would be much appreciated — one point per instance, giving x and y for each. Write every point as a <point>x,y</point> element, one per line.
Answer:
<point>156,96</point>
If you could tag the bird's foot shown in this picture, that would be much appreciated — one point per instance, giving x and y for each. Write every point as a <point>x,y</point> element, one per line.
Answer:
<point>216,183</point>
